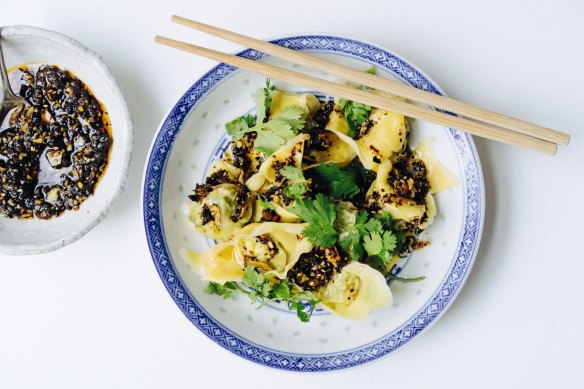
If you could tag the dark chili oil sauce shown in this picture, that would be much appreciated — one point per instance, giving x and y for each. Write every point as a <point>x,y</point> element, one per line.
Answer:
<point>53,153</point>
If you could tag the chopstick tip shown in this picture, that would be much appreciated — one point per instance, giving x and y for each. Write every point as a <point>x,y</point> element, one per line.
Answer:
<point>566,140</point>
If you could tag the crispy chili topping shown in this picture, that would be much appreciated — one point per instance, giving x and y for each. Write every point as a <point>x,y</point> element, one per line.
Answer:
<point>206,214</point>
<point>318,141</point>
<point>54,152</point>
<point>408,177</point>
<point>241,151</point>
<point>315,268</point>
<point>218,177</point>
<point>240,202</point>
<point>200,192</point>
<point>270,215</point>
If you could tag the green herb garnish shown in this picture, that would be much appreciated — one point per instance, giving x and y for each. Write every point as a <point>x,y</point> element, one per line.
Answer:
<point>274,133</point>
<point>238,127</point>
<point>320,213</point>
<point>337,182</point>
<point>263,100</point>
<point>401,279</point>
<point>381,246</point>
<point>351,239</point>
<point>259,289</point>
<point>298,185</point>
<point>355,115</point>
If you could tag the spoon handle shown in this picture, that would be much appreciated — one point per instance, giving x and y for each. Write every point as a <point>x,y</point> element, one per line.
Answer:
<point>7,92</point>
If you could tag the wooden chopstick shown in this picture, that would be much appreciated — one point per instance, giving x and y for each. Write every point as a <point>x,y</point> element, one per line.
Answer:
<point>363,96</point>
<point>383,84</point>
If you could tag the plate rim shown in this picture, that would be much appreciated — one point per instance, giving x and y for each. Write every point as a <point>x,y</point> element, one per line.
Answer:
<point>305,362</point>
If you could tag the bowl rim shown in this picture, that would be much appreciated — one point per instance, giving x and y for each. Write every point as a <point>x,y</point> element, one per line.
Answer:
<point>299,362</point>
<point>97,61</point>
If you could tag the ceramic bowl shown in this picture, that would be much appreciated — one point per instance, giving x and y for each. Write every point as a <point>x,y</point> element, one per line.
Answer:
<point>30,45</point>
<point>193,134</point>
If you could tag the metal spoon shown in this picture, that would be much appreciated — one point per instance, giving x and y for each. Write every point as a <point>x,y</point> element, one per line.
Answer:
<point>9,100</point>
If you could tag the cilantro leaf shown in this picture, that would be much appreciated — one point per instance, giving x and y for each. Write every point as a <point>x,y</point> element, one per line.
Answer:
<point>339,183</point>
<point>270,140</point>
<point>371,70</point>
<point>293,116</point>
<point>320,213</point>
<point>256,281</point>
<point>292,173</point>
<point>304,303</point>
<point>351,243</point>
<point>271,134</point>
<point>237,127</point>
<point>263,100</point>
<point>372,236</point>
<point>225,290</point>
<point>372,243</point>
<point>297,185</point>
<point>321,236</point>
<point>386,220</point>
<point>281,291</point>
<point>299,307</point>
<point>372,225</point>
<point>389,241</point>
<point>355,114</point>
<point>275,133</point>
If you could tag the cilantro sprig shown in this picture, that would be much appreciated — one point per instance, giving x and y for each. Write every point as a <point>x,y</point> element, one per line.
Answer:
<point>297,185</point>
<point>380,246</point>
<point>261,292</point>
<point>355,115</point>
<point>320,213</point>
<point>337,182</point>
<point>263,100</point>
<point>372,236</point>
<point>351,239</point>
<point>272,134</point>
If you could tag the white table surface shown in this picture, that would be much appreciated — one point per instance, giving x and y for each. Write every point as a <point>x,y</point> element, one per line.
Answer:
<point>96,315</point>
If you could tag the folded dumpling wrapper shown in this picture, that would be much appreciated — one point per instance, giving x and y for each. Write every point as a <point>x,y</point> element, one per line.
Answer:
<point>355,291</point>
<point>275,252</point>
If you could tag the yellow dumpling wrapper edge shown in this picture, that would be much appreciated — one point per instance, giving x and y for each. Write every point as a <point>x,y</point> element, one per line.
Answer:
<point>226,262</point>
<point>220,202</point>
<point>355,291</point>
<point>294,148</point>
<point>285,235</point>
<point>218,264</point>
<point>407,210</point>
<point>340,152</point>
<point>281,100</point>
<point>285,215</point>
<point>386,138</point>
<point>439,177</point>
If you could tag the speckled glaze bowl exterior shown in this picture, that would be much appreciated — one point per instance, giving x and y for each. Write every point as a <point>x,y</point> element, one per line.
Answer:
<point>30,45</point>
<point>193,133</point>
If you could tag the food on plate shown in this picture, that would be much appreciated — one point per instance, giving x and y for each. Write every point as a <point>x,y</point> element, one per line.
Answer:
<point>313,204</point>
<point>53,152</point>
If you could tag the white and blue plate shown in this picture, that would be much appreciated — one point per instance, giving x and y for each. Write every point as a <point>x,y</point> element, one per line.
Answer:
<point>193,134</point>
